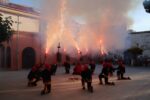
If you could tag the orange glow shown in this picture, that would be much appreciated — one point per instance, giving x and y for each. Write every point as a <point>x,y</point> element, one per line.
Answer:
<point>87,50</point>
<point>102,52</point>
<point>78,50</point>
<point>87,38</point>
<point>62,18</point>
<point>46,51</point>
<point>80,37</point>
<point>101,46</point>
<point>100,41</point>
<point>64,50</point>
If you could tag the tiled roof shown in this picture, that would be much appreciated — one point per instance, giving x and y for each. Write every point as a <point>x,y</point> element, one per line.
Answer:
<point>19,8</point>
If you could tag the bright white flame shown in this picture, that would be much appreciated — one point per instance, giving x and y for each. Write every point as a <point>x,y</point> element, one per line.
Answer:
<point>62,17</point>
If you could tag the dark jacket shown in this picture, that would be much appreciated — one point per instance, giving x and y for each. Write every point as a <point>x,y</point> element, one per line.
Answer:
<point>121,68</point>
<point>46,75</point>
<point>86,74</point>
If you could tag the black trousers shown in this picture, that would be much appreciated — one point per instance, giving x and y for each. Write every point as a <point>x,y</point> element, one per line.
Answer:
<point>89,83</point>
<point>101,76</point>
<point>47,87</point>
<point>120,75</point>
<point>67,69</point>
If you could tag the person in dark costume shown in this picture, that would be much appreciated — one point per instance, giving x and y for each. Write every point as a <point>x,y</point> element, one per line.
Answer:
<point>92,66</point>
<point>53,68</point>
<point>105,73</point>
<point>110,67</point>
<point>86,77</point>
<point>121,71</point>
<point>34,75</point>
<point>46,76</point>
<point>67,67</point>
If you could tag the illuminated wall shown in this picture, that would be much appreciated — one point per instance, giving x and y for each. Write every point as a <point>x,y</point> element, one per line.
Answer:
<point>25,23</point>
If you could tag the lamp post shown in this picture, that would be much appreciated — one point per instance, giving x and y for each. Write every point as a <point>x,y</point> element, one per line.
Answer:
<point>17,42</point>
<point>58,53</point>
<point>81,56</point>
<point>58,46</point>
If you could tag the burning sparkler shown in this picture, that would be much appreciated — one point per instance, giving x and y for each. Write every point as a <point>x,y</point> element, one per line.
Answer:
<point>62,17</point>
<point>78,50</point>
<point>64,50</point>
<point>102,50</point>
<point>87,50</point>
<point>45,55</point>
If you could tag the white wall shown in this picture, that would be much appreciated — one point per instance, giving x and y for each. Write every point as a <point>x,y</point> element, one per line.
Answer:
<point>26,24</point>
<point>29,25</point>
<point>143,41</point>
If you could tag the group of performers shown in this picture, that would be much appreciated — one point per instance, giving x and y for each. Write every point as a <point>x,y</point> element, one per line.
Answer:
<point>45,71</point>
<point>42,72</point>
<point>108,70</point>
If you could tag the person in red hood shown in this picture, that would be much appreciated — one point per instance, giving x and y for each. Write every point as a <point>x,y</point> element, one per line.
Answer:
<point>34,75</point>
<point>86,77</point>
<point>111,68</point>
<point>105,73</point>
<point>77,69</point>
<point>121,71</point>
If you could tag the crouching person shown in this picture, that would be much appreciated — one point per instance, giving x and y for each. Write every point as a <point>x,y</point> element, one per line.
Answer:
<point>46,76</point>
<point>86,77</point>
<point>121,71</point>
<point>34,75</point>
<point>105,74</point>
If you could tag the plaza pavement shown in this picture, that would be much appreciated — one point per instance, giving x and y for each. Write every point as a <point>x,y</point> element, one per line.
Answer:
<point>13,86</point>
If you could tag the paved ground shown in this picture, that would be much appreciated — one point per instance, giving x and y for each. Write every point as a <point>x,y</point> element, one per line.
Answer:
<point>13,86</point>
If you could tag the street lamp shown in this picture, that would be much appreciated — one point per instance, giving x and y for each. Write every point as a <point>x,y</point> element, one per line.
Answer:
<point>58,53</point>
<point>17,42</point>
<point>58,46</point>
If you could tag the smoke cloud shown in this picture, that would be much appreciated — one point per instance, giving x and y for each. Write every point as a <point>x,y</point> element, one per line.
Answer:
<point>86,25</point>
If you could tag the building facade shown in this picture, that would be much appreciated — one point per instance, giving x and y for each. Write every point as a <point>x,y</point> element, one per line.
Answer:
<point>142,40</point>
<point>23,50</point>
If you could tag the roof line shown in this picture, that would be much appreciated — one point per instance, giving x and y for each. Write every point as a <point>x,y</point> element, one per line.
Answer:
<point>140,32</point>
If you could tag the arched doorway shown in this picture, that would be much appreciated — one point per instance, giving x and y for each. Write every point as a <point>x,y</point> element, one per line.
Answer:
<point>8,57</point>
<point>2,56</point>
<point>28,57</point>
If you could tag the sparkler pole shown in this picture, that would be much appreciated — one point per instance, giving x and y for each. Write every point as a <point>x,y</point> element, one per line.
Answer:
<point>17,41</point>
<point>45,56</point>
<point>58,46</point>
